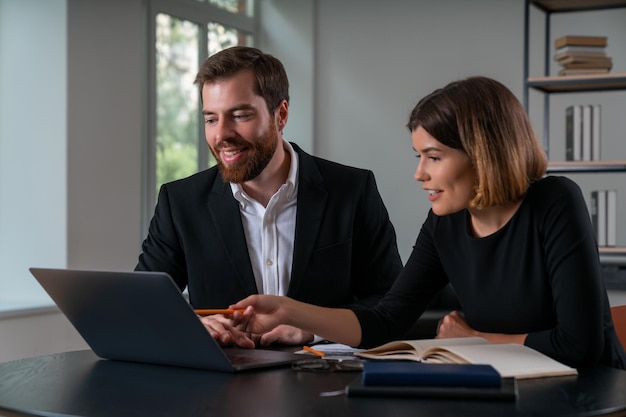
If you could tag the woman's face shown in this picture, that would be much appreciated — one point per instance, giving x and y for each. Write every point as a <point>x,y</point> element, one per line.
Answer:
<point>446,173</point>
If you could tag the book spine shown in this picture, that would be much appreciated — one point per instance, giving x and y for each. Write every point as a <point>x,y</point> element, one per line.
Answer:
<point>594,213</point>
<point>577,133</point>
<point>569,133</point>
<point>595,133</point>
<point>575,49</point>
<point>573,139</point>
<point>611,217</point>
<point>586,133</point>
<point>601,218</point>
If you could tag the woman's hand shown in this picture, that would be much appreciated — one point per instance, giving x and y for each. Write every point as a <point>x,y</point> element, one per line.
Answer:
<point>300,321</point>
<point>262,313</point>
<point>454,325</point>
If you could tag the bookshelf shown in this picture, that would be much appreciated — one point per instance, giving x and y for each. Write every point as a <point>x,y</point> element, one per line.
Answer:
<point>548,85</point>
<point>580,83</point>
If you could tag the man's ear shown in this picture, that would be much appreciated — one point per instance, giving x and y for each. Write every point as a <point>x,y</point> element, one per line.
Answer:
<point>281,115</point>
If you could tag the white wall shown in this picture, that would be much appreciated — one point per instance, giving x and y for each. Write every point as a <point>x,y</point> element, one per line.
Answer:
<point>106,100</point>
<point>288,33</point>
<point>37,331</point>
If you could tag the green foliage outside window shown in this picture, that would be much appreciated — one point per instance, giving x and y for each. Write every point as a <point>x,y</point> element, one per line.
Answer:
<point>177,99</point>
<point>180,144</point>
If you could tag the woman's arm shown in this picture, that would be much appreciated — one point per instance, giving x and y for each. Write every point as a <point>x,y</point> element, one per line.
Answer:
<point>571,259</point>
<point>265,312</point>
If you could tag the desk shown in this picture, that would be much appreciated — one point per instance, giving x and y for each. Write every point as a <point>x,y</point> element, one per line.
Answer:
<point>80,384</point>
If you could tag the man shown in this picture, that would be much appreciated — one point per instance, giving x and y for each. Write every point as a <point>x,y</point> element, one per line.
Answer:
<point>269,218</point>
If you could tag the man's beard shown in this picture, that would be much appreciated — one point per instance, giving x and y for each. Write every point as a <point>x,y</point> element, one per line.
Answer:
<point>259,154</point>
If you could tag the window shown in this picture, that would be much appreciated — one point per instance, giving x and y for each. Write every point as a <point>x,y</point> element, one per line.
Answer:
<point>184,33</point>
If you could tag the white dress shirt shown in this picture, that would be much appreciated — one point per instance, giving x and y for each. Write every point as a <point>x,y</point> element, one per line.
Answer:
<point>270,231</point>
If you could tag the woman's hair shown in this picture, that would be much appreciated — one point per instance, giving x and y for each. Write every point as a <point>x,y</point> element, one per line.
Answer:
<point>271,78</point>
<point>483,118</point>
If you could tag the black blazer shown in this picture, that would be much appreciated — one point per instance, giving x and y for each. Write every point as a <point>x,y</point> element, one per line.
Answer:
<point>345,247</point>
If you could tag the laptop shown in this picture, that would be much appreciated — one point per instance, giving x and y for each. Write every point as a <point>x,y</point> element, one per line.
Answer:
<point>143,317</point>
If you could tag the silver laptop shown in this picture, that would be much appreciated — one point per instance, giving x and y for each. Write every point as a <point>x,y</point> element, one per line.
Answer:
<point>143,317</point>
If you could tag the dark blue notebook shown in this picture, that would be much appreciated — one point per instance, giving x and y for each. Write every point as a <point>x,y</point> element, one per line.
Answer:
<point>407,373</point>
<point>506,392</point>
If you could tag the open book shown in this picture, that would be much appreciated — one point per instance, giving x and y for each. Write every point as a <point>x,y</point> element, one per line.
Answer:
<point>510,360</point>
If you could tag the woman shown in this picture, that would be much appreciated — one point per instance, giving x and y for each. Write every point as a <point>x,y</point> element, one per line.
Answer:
<point>517,247</point>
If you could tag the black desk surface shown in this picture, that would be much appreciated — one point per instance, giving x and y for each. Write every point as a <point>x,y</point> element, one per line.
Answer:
<point>80,384</point>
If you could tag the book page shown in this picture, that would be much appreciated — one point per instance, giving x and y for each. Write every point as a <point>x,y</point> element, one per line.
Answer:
<point>414,349</point>
<point>510,360</point>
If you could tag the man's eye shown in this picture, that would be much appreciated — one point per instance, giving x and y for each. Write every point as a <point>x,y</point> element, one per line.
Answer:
<point>240,116</point>
<point>210,121</point>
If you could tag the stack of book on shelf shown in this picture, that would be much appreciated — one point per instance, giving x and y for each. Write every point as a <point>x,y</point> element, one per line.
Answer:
<point>580,55</point>
<point>604,216</point>
<point>582,132</point>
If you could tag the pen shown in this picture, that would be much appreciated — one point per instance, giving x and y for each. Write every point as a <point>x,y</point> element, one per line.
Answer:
<point>208,312</point>
<point>314,351</point>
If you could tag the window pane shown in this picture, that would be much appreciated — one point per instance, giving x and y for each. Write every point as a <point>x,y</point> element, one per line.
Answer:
<point>176,99</point>
<point>233,6</point>
<point>222,37</point>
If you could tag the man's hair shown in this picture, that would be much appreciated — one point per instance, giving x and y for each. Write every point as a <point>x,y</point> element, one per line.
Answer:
<point>271,79</point>
<point>483,118</point>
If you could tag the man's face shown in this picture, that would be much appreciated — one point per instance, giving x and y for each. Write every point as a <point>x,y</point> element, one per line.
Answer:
<point>239,129</point>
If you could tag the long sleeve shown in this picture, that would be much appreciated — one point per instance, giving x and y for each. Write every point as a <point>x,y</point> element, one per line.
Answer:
<point>161,251</point>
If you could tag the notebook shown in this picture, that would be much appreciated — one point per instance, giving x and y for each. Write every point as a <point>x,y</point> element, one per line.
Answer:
<point>143,317</point>
<point>506,392</point>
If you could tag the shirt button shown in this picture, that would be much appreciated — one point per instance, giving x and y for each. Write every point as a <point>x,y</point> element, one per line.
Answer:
<point>269,262</point>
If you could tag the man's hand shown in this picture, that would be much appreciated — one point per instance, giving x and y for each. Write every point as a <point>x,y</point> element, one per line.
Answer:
<point>226,334</point>
<point>286,335</point>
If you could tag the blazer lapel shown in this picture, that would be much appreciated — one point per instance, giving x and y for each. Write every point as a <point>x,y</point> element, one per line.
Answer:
<point>310,209</point>
<point>226,218</point>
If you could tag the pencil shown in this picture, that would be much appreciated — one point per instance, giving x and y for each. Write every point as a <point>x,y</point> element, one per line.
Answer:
<point>211,311</point>
<point>314,351</point>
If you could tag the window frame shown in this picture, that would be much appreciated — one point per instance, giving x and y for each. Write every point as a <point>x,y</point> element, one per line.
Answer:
<point>200,14</point>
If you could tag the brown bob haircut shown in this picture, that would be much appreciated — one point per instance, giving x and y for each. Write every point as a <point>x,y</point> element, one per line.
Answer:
<point>271,78</point>
<point>483,118</point>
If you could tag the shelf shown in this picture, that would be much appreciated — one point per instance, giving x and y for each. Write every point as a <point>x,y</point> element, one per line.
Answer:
<point>579,83</point>
<point>612,250</point>
<point>612,255</point>
<point>613,259</point>
<point>577,5</point>
<point>587,166</point>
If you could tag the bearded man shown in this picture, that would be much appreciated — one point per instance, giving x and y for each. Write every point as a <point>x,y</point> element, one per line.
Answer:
<point>269,218</point>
